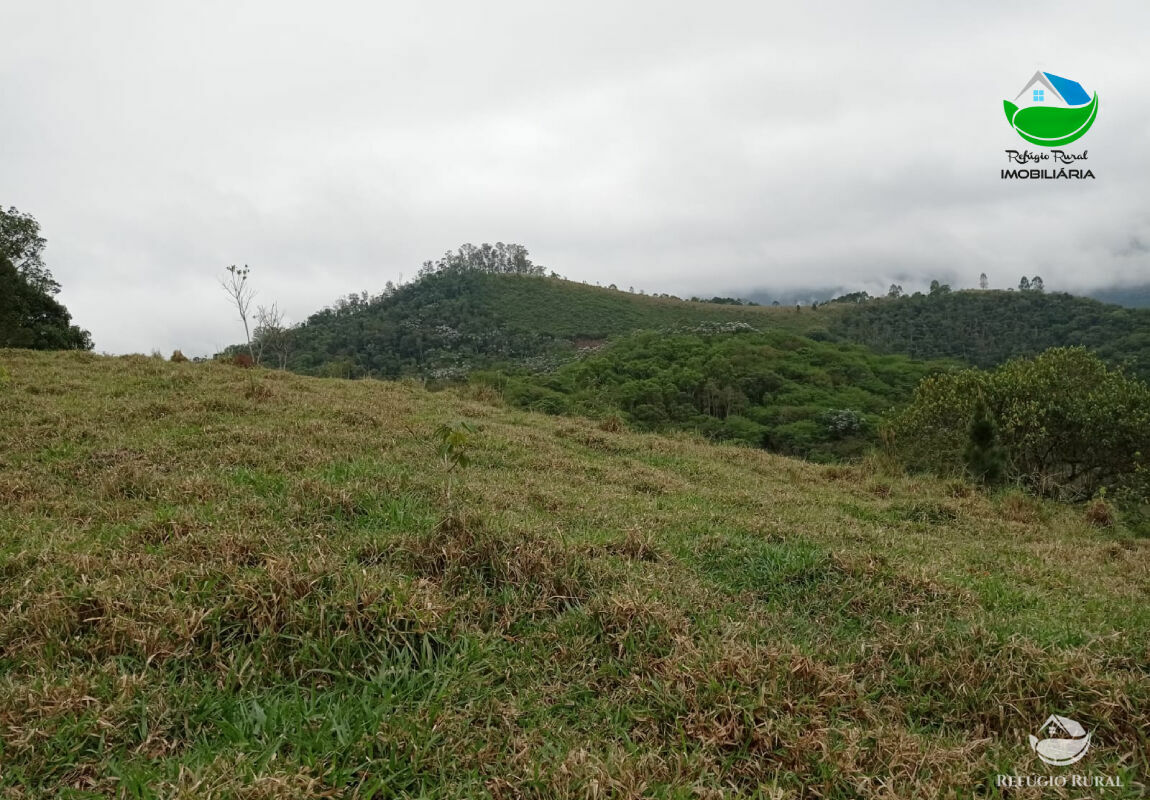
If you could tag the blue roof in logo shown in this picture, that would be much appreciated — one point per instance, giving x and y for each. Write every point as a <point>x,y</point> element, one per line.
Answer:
<point>1071,91</point>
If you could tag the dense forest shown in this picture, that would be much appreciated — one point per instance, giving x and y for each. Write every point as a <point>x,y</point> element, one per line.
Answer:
<point>488,305</point>
<point>986,328</point>
<point>787,393</point>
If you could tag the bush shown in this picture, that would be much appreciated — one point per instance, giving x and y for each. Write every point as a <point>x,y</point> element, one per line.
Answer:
<point>613,423</point>
<point>1101,513</point>
<point>178,357</point>
<point>1066,424</point>
<point>982,455</point>
<point>793,395</point>
<point>243,360</point>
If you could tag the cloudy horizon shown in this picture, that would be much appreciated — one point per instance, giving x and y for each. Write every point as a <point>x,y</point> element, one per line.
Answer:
<point>676,149</point>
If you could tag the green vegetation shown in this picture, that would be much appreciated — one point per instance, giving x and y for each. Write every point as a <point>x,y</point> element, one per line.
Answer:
<point>491,306</point>
<point>789,394</point>
<point>30,316</point>
<point>987,328</point>
<point>1065,424</point>
<point>210,594</point>
<point>983,456</point>
<point>477,308</point>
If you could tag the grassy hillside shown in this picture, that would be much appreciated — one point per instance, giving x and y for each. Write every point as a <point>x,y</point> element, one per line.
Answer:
<point>229,583</point>
<point>986,328</point>
<point>447,323</point>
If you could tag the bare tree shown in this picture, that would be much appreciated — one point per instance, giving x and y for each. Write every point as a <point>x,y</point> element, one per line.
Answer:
<point>240,292</point>
<point>271,334</point>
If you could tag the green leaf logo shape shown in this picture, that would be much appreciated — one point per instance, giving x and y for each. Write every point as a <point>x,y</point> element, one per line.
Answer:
<point>1059,112</point>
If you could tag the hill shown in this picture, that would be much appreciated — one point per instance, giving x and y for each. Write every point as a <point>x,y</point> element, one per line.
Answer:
<point>450,322</point>
<point>254,584</point>
<point>986,328</point>
<point>1130,296</point>
<point>488,306</point>
<point>787,393</point>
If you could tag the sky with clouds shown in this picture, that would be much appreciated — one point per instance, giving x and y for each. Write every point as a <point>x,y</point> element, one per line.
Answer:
<point>689,148</point>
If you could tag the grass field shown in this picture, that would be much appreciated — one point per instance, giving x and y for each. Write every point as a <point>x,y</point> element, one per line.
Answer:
<point>571,310</point>
<point>228,583</point>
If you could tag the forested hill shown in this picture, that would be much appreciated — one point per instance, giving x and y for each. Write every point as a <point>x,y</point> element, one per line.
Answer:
<point>490,305</point>
<point>985,328</point>
<point>454,320</point>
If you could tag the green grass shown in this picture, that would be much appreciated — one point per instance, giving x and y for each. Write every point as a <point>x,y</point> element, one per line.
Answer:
<point>210,591</point>
<point>571,310</point>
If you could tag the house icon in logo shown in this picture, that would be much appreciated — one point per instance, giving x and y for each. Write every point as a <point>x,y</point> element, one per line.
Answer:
<point>1065,742</point>
<point>1046,89</point>
<point>1051,111</point>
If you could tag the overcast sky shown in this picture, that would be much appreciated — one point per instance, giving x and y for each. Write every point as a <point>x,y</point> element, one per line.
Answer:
<point>683,147</point>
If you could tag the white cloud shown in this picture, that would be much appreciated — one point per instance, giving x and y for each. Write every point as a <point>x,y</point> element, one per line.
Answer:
<point>673,147</point>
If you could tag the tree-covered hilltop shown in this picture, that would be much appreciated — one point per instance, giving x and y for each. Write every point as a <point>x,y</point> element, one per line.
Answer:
<point>776,390</point>
<point>490,305</point>
<point>986,328</point>
<point>486,305</point>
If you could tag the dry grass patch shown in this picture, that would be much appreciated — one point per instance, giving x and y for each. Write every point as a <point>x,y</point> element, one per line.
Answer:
<point>214,595</point>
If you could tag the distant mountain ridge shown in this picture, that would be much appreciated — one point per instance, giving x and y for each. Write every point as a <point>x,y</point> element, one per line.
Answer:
<point>1128,296</point>
<point>490,306</point>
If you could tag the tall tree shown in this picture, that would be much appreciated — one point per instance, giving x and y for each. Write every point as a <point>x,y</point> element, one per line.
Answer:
<point>32,318</point>
<point>29,314</point>
<point>1036,284</point>
<point>983,281</point>
<point>1024,284</point>
<point>23,246</point>
<point>240,292</point>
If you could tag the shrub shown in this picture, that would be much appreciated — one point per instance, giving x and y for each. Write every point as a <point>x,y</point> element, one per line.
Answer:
<point>1101,513</point>
<point>982,455</point>
<point>612,424</point>
<point>1067,424</point>
<point>178,357</point>
<point>243,360</point>
<point>844,422</point>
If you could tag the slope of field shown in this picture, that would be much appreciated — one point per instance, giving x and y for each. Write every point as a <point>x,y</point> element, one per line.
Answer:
<point>986,328</point>
<point>449,322</point>
<point>230,583</point>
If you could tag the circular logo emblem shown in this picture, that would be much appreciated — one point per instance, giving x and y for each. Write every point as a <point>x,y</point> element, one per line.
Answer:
<point>1051,111</point>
